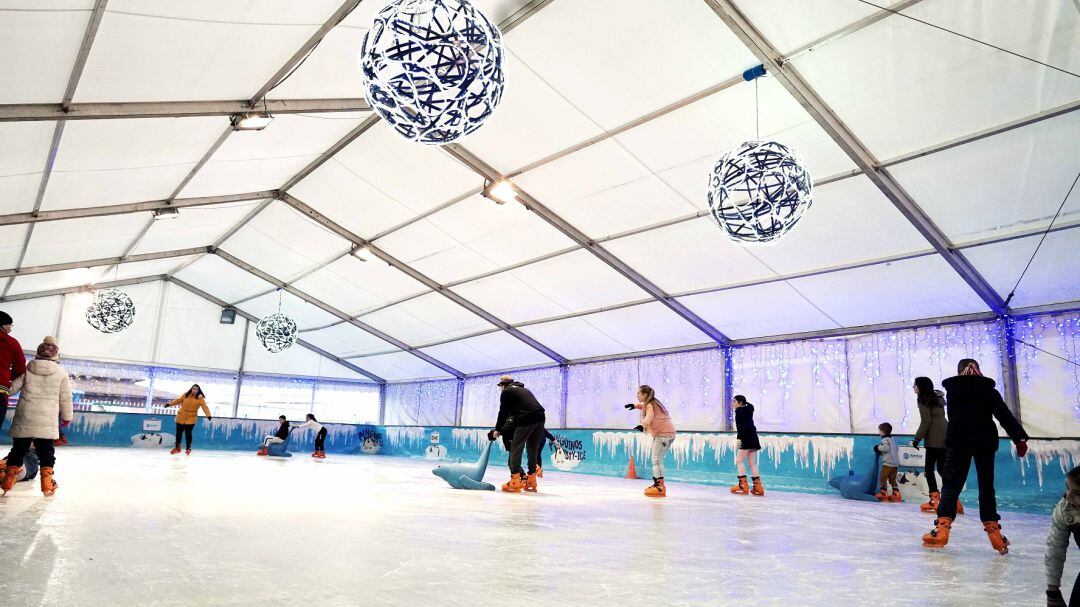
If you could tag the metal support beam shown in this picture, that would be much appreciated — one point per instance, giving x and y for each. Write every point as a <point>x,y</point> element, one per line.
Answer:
<point>96,15</point>
<point>250,318</point>
<point>849,29</point>
<point>334,149</point>
<point>240,371</point>
<point>105,261</point>
<point>133,207</point>
<point>422,278</point>
<point>36,112</point>
<point>1010,382</point>
<point>490,173</point>
<point>87,288</point>
<point>729,388</point>
<point>459,401</point>
<point>202,162</point>
<point>336,18</point>
<point>793,83</point>
<point>334,311</point>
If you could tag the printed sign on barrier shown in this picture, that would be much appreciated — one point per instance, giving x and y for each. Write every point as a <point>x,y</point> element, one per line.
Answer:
<point>151,425</point>
<point>912,457</point>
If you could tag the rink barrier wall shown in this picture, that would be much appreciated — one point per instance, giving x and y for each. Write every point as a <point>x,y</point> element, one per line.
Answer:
<point>789,462</point>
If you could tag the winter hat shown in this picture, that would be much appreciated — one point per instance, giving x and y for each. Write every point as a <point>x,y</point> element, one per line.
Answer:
<point>505,380</point>
<point>48,348</point>
<point>5,318</point>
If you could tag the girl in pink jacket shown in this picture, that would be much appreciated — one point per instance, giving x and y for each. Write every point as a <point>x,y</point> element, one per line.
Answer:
<point>655,422</point>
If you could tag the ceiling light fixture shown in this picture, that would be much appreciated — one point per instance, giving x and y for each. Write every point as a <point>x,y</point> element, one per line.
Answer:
<point>253,121</point>
<point>364,253</point>
<point>167,213</point>
<point>501,191</point>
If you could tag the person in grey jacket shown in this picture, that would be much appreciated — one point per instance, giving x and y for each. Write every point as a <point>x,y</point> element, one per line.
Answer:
<point>1064,522</point>
<point>932,429</point>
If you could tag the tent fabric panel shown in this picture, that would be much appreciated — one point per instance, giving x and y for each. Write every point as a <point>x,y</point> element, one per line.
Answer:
<point>601,75</point>
<point>192,335</point>
<point>172,52</point>
<point>126,160</point>
<point>922,78</point>
<point>1015,180</point>
<point>297,360</point>
<point>489,352</point>
<point>925,287</point>
<point>427,318</point>
<point>34,319</point>
<point>193,227</point>
<point>222,279</point>
<point>1052,277</point>
<point>346,340</point>
<point>790,24</point>
<point>400,366</point>
<point>12,238</point>
<point>22,159</point>
<point>472,237</point>
<point>284,243</point>
<point>27,34</point>
<point>758,311</point>
<point>82,239</point>
<point>304,314</point>
<point>357,285</point>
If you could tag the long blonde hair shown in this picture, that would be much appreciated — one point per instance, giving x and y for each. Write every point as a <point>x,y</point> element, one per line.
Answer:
<point>650,397</point>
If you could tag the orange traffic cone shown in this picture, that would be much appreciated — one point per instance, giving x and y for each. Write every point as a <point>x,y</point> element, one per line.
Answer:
<point>631,472</point>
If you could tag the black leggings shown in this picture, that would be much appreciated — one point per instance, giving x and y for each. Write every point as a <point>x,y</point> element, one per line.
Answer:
<point>935,460</point>
<point>21,446</point>
<point>320,440</point>
<point>527,439</point>
<point>957,463</point>
<point>185,430</point>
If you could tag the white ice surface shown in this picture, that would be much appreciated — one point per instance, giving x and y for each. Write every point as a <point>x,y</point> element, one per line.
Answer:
<point>138,527</point>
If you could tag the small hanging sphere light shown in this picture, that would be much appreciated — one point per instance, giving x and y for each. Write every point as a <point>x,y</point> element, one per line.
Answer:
<point>111,311</point>
<point>276,332</point>
<point>433,69</point>
<point>759,191</point>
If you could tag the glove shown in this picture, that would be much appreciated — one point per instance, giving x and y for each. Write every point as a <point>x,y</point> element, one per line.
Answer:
<point>1021,448</point>
<point>209,419</point>
<point>65,423</point>
<point>1054,598</point>
<point>629,407</point>
<point>492,435</point>
<point>639,428</point>
<point>915,443</point>
<point>876,448</point>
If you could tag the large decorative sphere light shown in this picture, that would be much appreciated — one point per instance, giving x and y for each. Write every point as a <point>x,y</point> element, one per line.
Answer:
<point>111,311</point>
<point>276,332</point>
<point>433,68</point>
<point>758,191</point>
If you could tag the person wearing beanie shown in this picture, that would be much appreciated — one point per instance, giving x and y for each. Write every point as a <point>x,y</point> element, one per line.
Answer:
<point>45,398</point>
<point>522,417</point>
<point>12,362</point>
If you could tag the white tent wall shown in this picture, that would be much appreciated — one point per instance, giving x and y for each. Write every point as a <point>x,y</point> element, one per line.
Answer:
<point>134,344</point>
<point>432,403</point>
<point>192,336</point>
<point>1049,383</point>
<point>480,399</point>
<point>34,319</point>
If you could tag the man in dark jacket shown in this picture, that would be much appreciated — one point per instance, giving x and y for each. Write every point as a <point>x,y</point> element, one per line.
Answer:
<point>520,416</point>
<point>12,362</point>
<point>973,404</point>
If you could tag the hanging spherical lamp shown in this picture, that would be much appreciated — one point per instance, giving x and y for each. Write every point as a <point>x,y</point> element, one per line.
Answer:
<point>759,191</point>
<point>111,311</point>
<point>276,332</point>
<point>433,68</point>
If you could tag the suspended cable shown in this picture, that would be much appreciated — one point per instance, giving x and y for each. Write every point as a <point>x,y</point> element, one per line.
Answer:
<point>975,40</point>
<point>1071,362</point>
<point>757,112</point>
<point>1041,240</point>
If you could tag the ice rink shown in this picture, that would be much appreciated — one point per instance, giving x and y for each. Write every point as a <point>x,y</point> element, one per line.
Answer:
<point>132,527</point>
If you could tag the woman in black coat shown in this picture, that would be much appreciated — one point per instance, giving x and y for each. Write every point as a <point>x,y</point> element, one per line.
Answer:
<point>749,445</point>
<point>973,404</point>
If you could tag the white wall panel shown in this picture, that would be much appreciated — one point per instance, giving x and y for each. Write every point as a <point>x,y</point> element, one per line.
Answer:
<point>34,319</point>
<point>79,339</point>
<point>192,336</point>
<point>1052,277</point>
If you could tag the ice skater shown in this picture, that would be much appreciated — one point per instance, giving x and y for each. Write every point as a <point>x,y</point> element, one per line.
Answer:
<point>890,463</point>
<point>656,422</point>
<point>508,441</point>
<point>1064,522</point>
<point>523,417</point>
<point>973,404</point>
<point>932,428</point>
<point>320,434</point>
<point>29,468</point>
<point>45,398</point>
<point>12,362</point>
<point>189,402</point>
<point>275,438</point>
<point>749,446</point>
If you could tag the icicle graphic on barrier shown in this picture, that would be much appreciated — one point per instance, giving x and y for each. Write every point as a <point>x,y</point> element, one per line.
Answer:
<point>827,450</point>
<point>465,438</point>
<point>411,436</point>
<point>92,424</point>
<point>1042,452</point>
<point>249,429</point>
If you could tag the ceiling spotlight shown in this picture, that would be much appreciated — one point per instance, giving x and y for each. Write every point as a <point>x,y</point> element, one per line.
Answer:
<point>364,253</point>
<point>255,121</point>
<point>501,191</point>
<point>167,213</point>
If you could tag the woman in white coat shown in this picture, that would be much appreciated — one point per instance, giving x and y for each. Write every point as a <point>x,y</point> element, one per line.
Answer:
<point>46,396</point>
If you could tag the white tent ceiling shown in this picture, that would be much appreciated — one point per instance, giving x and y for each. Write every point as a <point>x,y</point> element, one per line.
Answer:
<point>937,165</point>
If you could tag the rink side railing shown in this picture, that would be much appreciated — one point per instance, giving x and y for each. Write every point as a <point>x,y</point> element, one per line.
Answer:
<point>788,462</point>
